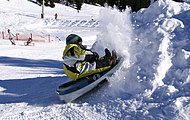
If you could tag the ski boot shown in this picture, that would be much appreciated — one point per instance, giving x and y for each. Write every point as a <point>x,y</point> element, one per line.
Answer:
<point>113,59</point>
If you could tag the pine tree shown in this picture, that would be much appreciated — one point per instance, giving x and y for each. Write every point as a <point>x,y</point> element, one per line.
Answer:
<point>46,2</point>
<point>120,4</point>
<point>70,2</point>
<point>178,0</point>
<point>101,2</point>
<point>78,4</point>
<point>138,4</point>
<point>111,2</point>
<point>52,3</point>
<point>93,2</point>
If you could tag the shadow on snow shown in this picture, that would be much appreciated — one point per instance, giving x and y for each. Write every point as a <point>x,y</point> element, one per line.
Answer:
<point>22,62</point>
<point>39,90</point>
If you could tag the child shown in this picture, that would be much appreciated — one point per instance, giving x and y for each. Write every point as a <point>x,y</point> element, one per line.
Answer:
<point>11,37</point>
<point>78,64</point>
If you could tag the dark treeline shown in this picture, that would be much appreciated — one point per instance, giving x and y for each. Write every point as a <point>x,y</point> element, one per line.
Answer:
<point>120,4</point>
<point>46,3</point>
<point>135,5</point>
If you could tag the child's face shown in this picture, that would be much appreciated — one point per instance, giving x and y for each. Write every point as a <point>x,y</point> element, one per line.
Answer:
<point>80,43</point>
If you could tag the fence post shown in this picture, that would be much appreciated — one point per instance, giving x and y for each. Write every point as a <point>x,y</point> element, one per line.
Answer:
<point>3,35</point>
<point>31,35</point>
<point>49,38</point>
<point>17,34</point>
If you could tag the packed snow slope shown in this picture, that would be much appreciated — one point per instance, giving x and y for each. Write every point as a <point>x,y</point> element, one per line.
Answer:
<point>153,82</point>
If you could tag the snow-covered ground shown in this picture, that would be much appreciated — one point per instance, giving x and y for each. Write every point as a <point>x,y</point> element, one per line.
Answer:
<point>153,83</point>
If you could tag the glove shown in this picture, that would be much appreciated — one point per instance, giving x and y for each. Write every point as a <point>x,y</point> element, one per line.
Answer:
<point>83,47</point>
<point>95,55</point>
<point>91,57</point>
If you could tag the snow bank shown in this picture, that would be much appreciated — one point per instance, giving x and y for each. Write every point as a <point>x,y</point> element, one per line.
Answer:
<point>160,68</point>
<point>158,54</point>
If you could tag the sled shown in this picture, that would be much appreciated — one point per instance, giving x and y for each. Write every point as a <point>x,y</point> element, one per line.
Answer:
<point>72,90</point>
<point>29,44</point>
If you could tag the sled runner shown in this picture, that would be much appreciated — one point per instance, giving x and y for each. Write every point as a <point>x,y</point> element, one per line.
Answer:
<point>71,90</point>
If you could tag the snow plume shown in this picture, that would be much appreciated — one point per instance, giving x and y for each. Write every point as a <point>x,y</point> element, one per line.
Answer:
<point>153,54</point>
<point>116,34</point>
<point>116,31</point>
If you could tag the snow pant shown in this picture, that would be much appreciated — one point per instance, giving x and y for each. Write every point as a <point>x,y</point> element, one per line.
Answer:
<point>100,62</point>
<point>12,41</point>
<point>76,76</point>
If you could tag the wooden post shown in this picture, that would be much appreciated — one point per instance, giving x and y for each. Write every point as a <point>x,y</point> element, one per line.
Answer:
<point>31,35</point>
<point>17,34</point>
<point>3,35</point>
<point>49,38</point>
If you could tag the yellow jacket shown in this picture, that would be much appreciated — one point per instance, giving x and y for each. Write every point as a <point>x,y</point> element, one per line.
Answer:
<point>74,65</point>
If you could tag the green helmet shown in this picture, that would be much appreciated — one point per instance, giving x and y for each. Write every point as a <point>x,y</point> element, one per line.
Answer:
<point>73,39</point>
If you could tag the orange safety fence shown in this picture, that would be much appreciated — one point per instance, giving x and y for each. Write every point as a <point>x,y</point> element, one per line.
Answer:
<point>24,37</point>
